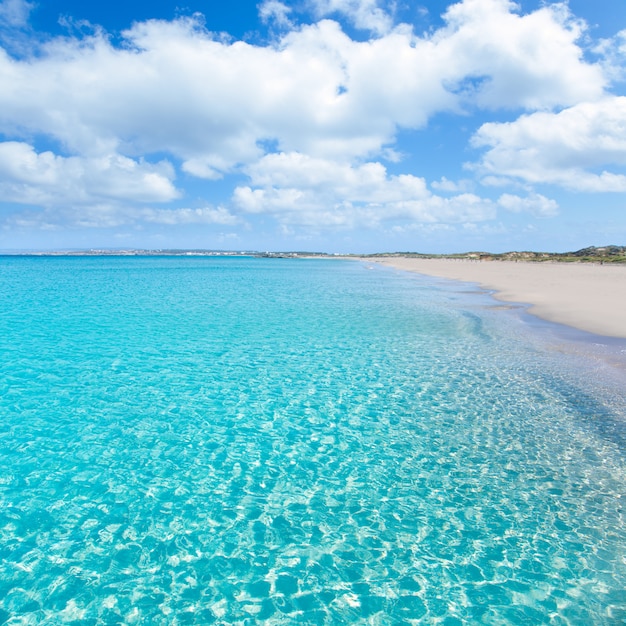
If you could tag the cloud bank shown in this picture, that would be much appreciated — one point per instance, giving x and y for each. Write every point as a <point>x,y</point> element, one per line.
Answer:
<point>308,124</point>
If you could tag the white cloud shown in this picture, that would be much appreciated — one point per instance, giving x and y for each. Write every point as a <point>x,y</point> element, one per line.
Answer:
<point>535,204</point>
<point>275,11</point>
<point>571,148</point>
<point>112,215</point>
<point>613,56</point>
<point>15,12</point>
<point>47,179</point>
<point>332,106</point>
<point>94,216</point>
<point>301,190</point>
<point>172,217</point>
<point>176,88</point>
<point>207,168</point>
<point>452,186</point>
<point>496,58</point>
<point>364,14</point>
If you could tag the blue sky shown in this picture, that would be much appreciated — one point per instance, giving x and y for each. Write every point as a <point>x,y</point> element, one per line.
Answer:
<point>329,125</point>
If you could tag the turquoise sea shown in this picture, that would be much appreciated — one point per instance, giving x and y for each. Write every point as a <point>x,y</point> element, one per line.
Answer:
<point>202,440</point>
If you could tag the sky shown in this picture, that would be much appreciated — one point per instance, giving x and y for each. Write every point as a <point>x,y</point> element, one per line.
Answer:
<point>313,125</point>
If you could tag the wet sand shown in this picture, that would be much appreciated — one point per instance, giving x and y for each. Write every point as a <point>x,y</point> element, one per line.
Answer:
<point>590,297</point>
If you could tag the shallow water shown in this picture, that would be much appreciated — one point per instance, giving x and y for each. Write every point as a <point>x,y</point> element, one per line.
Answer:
<point>240,441</point>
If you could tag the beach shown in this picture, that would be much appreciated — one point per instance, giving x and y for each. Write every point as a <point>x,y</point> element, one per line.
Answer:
<point>589,297</point>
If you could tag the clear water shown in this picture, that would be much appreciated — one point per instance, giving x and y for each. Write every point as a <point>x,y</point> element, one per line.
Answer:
<point>243,441</point>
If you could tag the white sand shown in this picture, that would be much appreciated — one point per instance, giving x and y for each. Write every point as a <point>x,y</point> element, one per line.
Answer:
<point>589,297</point>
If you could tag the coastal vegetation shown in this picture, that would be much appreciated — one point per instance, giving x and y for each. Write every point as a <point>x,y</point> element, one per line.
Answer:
<point>592,254</point>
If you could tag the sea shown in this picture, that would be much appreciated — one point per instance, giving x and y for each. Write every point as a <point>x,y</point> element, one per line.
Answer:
<point>240,440</point>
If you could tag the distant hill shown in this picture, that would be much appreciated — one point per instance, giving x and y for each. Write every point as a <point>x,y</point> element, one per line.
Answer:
<point>592,254</point>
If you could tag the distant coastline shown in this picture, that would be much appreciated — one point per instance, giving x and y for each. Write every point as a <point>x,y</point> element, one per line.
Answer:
<point>592,254</point>
<point>126,252</point>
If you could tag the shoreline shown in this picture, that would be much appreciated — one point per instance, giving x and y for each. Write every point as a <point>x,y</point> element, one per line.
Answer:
<point>588,297</point>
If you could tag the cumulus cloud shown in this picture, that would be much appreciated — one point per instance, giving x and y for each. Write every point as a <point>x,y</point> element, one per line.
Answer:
<point>329,106</point>
<point>301,190</point>
<point>573,148</point>
<point>29,177</point>
<point>363,14</point>
<point>174,87</point>
<point>277,12</point>
<point>535,204</point>
<point>497,58</point>
<point>447,185</point>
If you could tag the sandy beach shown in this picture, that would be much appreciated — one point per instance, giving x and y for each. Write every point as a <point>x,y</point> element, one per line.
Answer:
<point>590,297</point>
